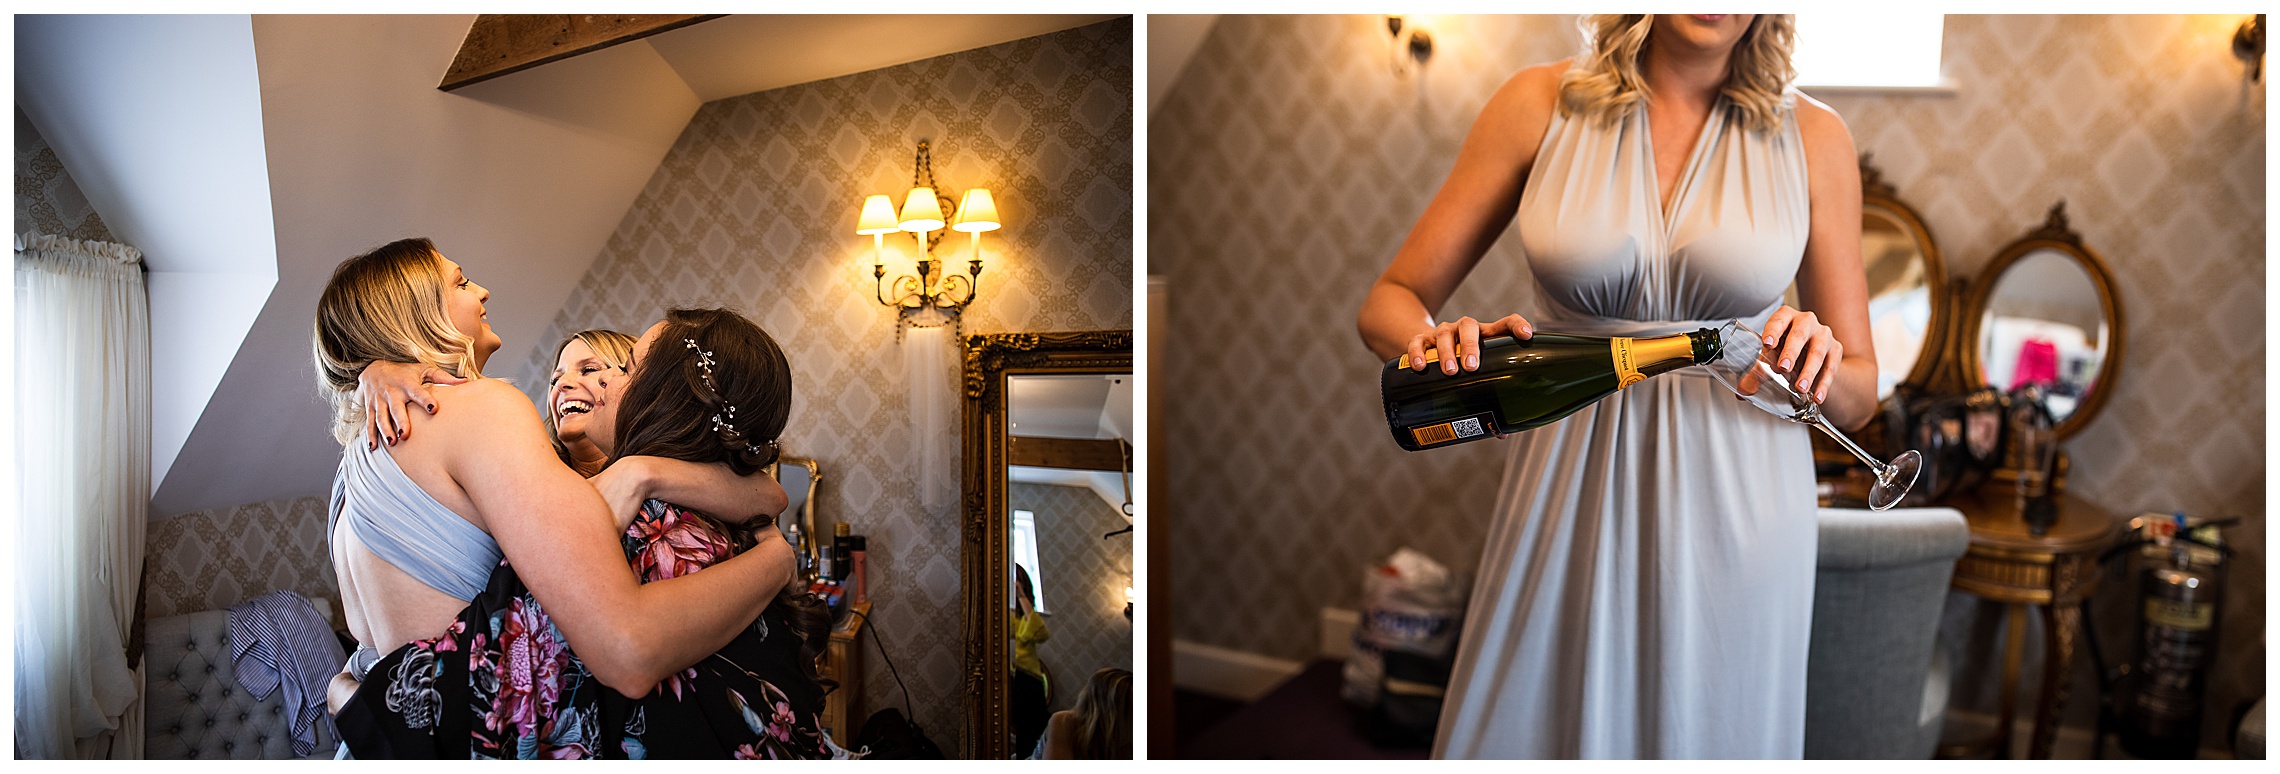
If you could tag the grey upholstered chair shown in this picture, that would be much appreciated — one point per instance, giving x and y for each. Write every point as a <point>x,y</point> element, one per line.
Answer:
<point>1875,685</point>
<point>194,706</point>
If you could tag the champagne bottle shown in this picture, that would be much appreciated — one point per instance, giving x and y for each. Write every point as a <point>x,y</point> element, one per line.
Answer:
<point>1525,384</point>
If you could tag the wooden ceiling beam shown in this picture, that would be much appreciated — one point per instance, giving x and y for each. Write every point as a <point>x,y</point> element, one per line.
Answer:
<point>499,44</point>
<point>1065,453</point>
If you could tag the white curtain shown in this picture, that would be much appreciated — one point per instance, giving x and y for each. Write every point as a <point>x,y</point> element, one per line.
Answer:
<point>83,473</point>
<point>930,385</point>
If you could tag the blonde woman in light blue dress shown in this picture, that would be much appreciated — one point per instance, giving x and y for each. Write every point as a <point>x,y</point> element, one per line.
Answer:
<point>1646,585</point>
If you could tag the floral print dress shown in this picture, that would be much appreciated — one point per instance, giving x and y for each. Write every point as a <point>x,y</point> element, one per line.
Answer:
<point>502,683</point>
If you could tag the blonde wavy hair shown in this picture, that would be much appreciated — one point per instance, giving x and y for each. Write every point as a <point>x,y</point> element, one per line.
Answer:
<point>388,304</point>
<point>1606,80</point>
<point>615,349</point>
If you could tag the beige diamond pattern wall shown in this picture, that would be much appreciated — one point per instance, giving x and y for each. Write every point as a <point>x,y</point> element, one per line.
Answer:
<point>754,208</point>
<point>210,560</point>
<point>1291,160</point>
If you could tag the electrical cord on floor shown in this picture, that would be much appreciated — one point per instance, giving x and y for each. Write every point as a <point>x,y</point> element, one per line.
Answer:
<point>910,710</point>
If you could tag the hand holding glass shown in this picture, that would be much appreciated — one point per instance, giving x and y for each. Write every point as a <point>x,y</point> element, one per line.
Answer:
<point>1742,366</point>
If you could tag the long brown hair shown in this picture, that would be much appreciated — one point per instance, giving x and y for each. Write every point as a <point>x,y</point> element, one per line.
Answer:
<point>387,304</point>
<point>669,407</point>
<point>1104,717</point>
<point>678,405</point>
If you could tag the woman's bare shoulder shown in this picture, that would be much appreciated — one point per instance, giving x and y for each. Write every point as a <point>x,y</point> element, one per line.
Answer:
<point>1828,142</point>
<point>480,391</point>
<point>1818,122</point>
<point>1535,90</point>
<point>481,402</point>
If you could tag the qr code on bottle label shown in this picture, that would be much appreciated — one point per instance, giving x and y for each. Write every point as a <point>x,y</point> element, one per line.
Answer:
<point>1466,428</point>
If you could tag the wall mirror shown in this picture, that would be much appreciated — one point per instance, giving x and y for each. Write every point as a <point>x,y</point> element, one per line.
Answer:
<point>800,476</point>
<point>1046,422</point>
<point>2045,311</point>
<point>1907,282</point>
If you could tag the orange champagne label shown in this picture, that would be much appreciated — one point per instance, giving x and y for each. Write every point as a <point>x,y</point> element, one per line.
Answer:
<point>1433,434</point>
<point>1431,356</point>
<point>1445,432</point>
<point>1626,367</point>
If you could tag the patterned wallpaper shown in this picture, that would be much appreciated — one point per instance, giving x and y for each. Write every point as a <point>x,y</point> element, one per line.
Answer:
<point>1285,169</point>
<point>46,199</point>
<point>210,560</point>
<point>754,208</point>
<point>1084,582</point>
<point>2144,124</point>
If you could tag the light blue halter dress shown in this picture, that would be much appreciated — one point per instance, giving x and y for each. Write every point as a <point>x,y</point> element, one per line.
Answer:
<point>1646,588</point>
<point>406,528</point>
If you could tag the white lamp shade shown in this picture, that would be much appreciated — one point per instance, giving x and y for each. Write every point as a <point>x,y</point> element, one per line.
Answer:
<point>977,212</point>
<point>921,212</point>
<point>878,216</point>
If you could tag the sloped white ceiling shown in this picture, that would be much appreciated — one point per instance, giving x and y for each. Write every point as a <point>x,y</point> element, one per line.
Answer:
<point>1172,40</point>
<point>745,53</point>
<point>166,142</point>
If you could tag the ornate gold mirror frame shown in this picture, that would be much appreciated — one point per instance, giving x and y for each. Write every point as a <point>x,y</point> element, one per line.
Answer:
<point>805,515</point>
<point>1880,197</point>
<point>2057,236</point>
<point>990,358</point>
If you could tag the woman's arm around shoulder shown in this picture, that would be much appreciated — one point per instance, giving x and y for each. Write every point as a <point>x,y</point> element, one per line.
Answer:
<point>706,487</point>
<point>1832,286</point>
<point>564,544</point>
<point>1465,217</point>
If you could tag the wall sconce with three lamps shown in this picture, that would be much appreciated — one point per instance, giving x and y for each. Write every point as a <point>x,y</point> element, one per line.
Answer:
<point>922,213</point>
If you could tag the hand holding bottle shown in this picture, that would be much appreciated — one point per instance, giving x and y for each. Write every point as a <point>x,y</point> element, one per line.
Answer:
<point>1515,384</point>
<point>1462,337</point>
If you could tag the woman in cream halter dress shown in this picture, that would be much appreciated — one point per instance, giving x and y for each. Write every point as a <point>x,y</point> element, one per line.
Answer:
<point>1646,585</point>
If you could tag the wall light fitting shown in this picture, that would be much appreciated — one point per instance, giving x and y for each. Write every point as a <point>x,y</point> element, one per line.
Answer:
<point>2248,44</point>
<point>926,210</point>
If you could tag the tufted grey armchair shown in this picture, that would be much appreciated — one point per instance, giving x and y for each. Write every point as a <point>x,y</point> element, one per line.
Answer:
<point>1875,685</point>
<point>194,705</point>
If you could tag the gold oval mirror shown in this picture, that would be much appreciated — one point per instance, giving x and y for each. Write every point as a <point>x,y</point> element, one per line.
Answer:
<point>1906,308</point>
<point>2045,311</point>
<point>1907,303</point>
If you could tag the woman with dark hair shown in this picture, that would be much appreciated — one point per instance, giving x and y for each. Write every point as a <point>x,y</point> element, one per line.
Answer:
<point>521,691</point>
<point>1099,728</point>
<point>1032,692</point>
<point>1645,587</point>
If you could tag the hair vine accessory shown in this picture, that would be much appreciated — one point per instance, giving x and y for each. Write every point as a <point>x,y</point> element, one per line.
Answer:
<point>724,421</point>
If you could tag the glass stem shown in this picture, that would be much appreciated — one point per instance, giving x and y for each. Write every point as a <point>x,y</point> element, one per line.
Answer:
<point>1823,423</point>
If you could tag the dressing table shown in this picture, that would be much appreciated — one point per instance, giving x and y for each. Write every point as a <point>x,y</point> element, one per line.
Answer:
<point>842,660</point>
<point>843,664</point>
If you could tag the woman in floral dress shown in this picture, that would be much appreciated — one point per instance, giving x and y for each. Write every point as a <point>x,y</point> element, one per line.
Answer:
<point>502,682</point>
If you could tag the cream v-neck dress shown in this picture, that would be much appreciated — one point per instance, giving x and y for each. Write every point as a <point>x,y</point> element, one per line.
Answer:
<point>1646,590</point>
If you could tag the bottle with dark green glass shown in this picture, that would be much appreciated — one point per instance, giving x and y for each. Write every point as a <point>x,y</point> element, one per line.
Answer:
<point>1525,384</point>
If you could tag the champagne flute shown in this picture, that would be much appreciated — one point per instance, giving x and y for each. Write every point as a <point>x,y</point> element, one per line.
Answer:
<point>1742,366</point>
